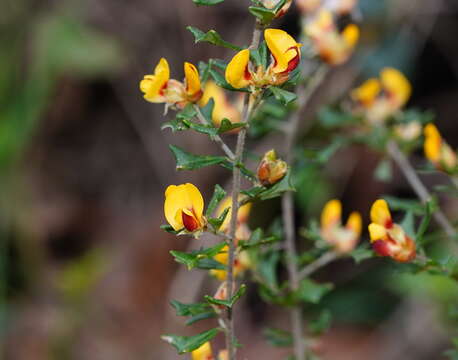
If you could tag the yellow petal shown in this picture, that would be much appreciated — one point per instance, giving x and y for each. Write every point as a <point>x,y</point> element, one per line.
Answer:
<point>396,85</point>
<point>433,141</point>
<point>355,222</point>
<point>242,214</point>
<point>223,108</point>
<point>183,197</point>
<point>331,213</point>
<point>237,73</point>
<point>284,49</point>
<point>351,35</point>
<point>192,79</point>
<point>153,85</point>
<point>367,92</point>
<point>380,213</point>
<point>204,352</point>
<point>376,232</point>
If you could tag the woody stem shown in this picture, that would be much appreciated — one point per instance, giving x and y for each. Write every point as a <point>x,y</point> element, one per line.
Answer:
<point>236,182</point>
<point>422,192</point>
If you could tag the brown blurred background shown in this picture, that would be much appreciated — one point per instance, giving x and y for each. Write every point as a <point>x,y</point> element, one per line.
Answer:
<point>85,270</point>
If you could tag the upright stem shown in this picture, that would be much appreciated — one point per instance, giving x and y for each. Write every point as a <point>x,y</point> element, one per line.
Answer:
<point>236,180</point>
<point>304,94</point>
<point>422,192</point>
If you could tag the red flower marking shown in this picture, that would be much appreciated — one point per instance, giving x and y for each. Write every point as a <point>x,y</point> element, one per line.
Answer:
<point>389,223</point>
<point>381,248</point>
<point>247,74</point>
<point>190,222</point>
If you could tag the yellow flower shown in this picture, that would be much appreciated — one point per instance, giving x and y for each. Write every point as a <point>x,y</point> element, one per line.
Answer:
<point>204,352</point>
<point>367,92</point>
<point>438,151</point>
<point>334,47</point>
<point>242,214</point>
<point>183,207</point>
<point>237,73</point>
<point>223,108</point>
<point>388,238</point>
<point>284,49</point>
<point>193,89</point>
<point>342,238</point>
<point>153,85</point>
<point>241,263</point>
<point>396,86</point>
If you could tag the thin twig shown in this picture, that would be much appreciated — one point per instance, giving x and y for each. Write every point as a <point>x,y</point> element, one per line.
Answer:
<point>323,260</point>
<point>215,138</point>
<point>304,95</point>
<point>422,192</point>
<point>236,176</point>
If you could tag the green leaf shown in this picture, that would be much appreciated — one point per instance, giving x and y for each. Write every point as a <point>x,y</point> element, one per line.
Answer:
<point>169,229</point>
<point>278,189</point>
<point>384,171</point>
<point>188,161</point>
<point>321,324</point>
<point>207,111</point>
<point>207,2</point>
<point>228,303</point>
<point>204,129</point>
<point>217,222</point>
<point>424,223</point>
<point>332,118</point>
<point>259,56</point>
<point>187,113</point>
<point>196,311</point>
<point>312,292</point>
<point>185,344</point>
<point>284,96</point>
<point>218,194</point>
<point>407,224</point>
<point>263,14</point>
<point>201,259</point>
<point>278,337</point>
<point>361,253</point>
<point>212,37</point>
<point>227,125</point>
<point>256,239</point>
<point>267,269</point>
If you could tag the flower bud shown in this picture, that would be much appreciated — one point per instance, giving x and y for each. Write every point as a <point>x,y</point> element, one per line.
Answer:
<point>270,169</point>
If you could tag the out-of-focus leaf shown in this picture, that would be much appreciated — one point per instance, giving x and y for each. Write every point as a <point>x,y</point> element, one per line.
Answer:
<point>406,205</point>
<point>424,223</point>
<point>217,222</point>
<point>312,292</point>
<point>228,303</point>
<point>383,172</point>
<point>212,37</point>
<point>408,224</point>
<point>278,337</point>
<point>185,344</point>
<point>218,194</point>
<point>207,2</point>
<point>267,269</point>
<point>361,253</point>
<point>284,96</point>
<point>321,324</point>
<point>331,118</point>
<point>227,125</point>
<point>195,311</point>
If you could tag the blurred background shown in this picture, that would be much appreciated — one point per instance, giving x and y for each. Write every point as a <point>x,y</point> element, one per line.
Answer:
<point>85,271</point>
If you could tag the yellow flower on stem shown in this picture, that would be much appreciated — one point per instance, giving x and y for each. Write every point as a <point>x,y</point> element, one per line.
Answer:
<point>192,80</point>
<point>237,72</point>
<point>334,47</point>
<point>183,207</point>
<point>222,108</point>
<point>284,49</point>
<point>388,238</point>
<point>438,151</point>
<point>396,87</point>
<point>204,352</point>
<point>153,86</point>
<point>343,238</point>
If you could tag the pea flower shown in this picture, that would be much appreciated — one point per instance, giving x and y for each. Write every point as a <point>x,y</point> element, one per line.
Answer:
<point>388,238</point>
<point>343,238</point>
<point>204,352</point>
<point>223,108</point>
<point>438,151</point>
<point>333,46</point>
<point>270,169</point>
<point>183,207</point>
<point>378,99</point>
<point>285,58</point>
<point>241,263</point>
<point>243,213</point>
<point>159,88</point>
<point>270,4</point>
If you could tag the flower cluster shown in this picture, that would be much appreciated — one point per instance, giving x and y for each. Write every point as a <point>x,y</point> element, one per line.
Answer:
<point>343,238</point>
<point>159,88</point>
<point>334,44</point>
<point>378,99</point>
<point>388,238</point>
<point>240,72</point>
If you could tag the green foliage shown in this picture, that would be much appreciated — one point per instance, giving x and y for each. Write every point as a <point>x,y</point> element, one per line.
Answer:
<point>207,2</point>
<point>186,344</point>
<point>201,259</point>
<point>217,222</point>
<point>195,311</point>
<point>278,337</point>
<point>331,118</point>
<point>188,161</point>
<point>211,37</point>
<point>384,171</point>
<point>265,193</point>
<point>227,303</point>
<point>284,96</point>
<point>218,194</point>
<point>321,324</point>
<point>361,253</point>
<point>312,292</point>
<point>264,14</point>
